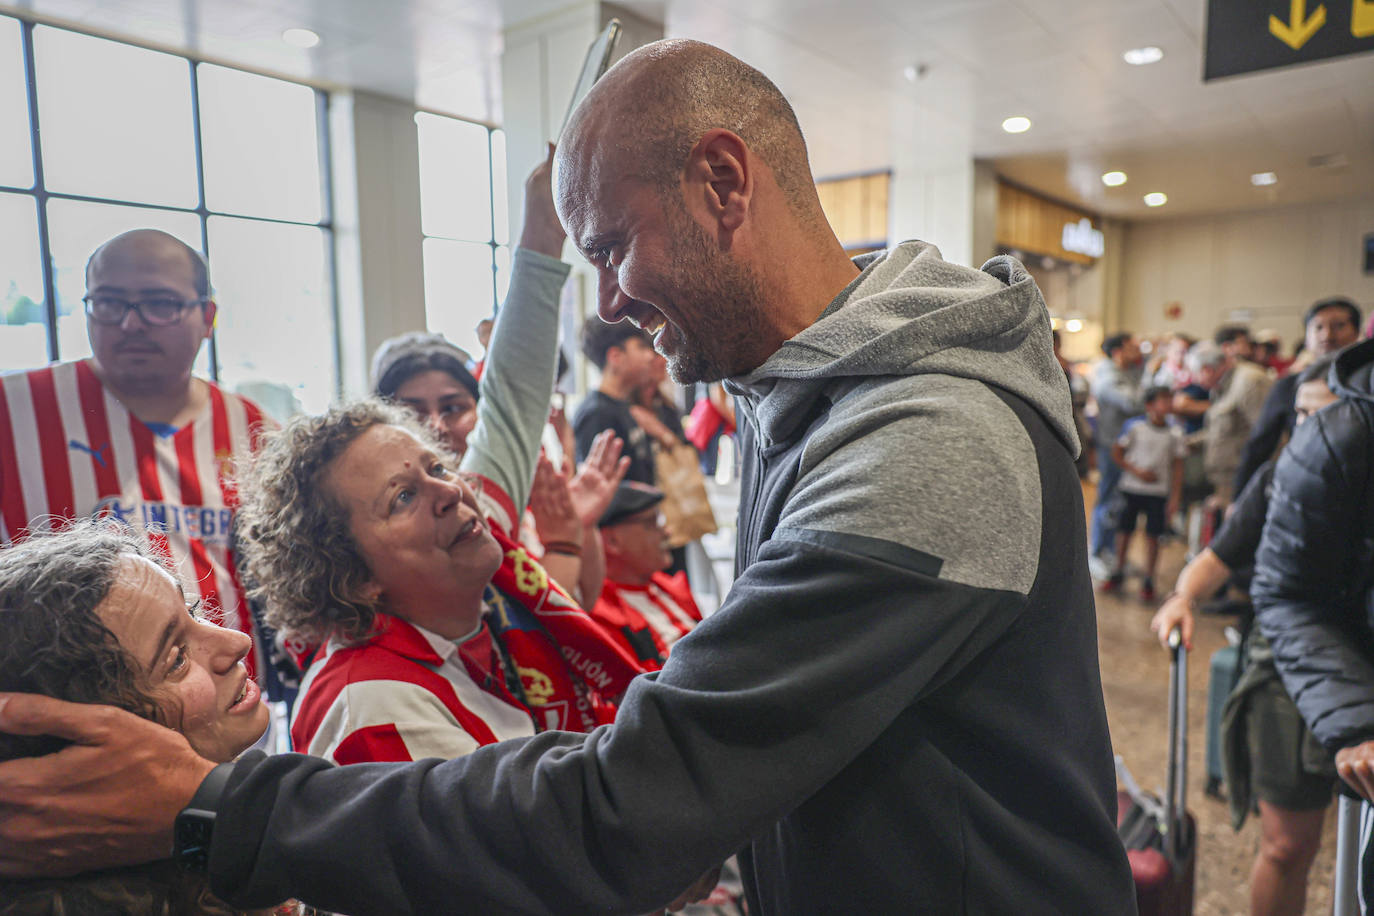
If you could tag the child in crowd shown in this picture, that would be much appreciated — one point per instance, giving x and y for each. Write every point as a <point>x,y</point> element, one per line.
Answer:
<point>1150,453</point>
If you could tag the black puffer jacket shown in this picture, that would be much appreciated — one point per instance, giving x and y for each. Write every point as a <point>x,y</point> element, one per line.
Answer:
<point>1314,575</point>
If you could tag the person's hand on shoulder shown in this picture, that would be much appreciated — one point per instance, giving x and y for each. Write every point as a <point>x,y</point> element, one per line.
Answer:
<point>542,231</point>
<point>108,799</point>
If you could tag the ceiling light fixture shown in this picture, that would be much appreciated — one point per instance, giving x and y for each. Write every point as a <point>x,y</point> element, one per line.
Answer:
<point>1113,179</point>
<point>1263,179</point>
<point>300,38</point>
<point>1073,325</point>
<point>1016,125</point>
<point>1156,199</point>
<point>1139,57</point>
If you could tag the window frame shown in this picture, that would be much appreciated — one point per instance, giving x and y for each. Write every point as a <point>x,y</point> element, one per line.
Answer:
<point>491,243</point>
<point>41,195</point>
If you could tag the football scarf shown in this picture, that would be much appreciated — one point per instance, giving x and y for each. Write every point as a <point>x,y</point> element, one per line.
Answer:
<point>570,670</point>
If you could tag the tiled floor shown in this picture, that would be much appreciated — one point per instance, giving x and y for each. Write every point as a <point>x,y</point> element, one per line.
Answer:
<point>1135,681</point>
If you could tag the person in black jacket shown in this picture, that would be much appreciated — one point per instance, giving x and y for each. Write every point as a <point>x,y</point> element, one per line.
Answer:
<point>1314,575</point>
<point>1330,324</point>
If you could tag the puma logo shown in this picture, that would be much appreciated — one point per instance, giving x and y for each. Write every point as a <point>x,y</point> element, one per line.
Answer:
<point>97,453</point>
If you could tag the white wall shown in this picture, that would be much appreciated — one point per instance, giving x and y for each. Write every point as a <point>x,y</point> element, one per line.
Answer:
<point>1270,264</point>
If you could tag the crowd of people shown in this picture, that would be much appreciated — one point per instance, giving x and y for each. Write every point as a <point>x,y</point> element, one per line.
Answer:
<point>897,708</point>
<point>1203,423</point>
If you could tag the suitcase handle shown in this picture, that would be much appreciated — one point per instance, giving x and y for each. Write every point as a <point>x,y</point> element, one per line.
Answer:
<point>1177,792</point>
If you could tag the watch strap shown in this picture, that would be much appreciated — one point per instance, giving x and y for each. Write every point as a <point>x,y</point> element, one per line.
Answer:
<point>195,825</point>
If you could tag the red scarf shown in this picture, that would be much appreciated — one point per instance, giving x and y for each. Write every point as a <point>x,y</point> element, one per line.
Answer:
<point>571,670</point>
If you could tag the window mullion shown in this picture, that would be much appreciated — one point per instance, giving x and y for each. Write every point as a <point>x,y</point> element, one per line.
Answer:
<point>40,192</point>
<point>201,209</point>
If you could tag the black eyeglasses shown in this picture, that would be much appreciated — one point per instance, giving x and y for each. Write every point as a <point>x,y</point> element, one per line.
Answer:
<point>157,310</point>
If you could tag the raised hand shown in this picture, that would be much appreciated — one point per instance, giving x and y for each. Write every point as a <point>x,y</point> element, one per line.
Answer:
<point>593,486</point>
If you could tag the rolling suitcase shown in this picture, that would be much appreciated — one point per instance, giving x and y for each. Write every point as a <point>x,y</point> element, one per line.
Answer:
<point>1159,834</point>
<point>1223,673</point>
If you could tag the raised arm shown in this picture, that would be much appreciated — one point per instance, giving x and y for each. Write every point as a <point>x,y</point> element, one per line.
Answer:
<point>518,380</point>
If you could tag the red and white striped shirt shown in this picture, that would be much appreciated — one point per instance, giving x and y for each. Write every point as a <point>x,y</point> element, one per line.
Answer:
<point>404,694</point>
<point>69,448</point>
<point>664,610</point>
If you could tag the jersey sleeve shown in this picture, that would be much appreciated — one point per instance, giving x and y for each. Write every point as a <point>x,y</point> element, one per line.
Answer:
<point>379,721</point>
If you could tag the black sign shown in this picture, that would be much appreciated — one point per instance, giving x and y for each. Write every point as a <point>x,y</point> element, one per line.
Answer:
<point>1246,35</point>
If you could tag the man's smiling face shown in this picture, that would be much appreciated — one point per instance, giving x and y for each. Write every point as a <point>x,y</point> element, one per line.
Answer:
<point>658,267</point>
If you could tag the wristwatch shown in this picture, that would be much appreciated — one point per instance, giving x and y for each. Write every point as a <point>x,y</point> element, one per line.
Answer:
<point>195,825</point>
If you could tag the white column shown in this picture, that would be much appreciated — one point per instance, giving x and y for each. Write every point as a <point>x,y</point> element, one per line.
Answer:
<point>381,284</point>
<point>934,202</point>
<point>539,68</point>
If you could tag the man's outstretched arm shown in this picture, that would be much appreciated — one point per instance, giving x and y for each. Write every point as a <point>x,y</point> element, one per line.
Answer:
<point>107,799</point>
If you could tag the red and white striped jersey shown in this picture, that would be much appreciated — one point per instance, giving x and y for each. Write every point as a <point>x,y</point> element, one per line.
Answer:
<point>404,694</point>
<point>664,610</point>
<point>69,448</point>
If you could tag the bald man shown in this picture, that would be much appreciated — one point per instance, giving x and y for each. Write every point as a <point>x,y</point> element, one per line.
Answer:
<point>896,710</point>
<point>130,432</point>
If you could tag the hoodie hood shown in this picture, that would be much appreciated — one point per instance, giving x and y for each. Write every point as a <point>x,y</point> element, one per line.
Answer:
<point>1352,376</point>
<point>909,313</point>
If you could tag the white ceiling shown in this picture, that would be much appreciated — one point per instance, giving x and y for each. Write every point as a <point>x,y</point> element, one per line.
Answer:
<point>1057,62</point>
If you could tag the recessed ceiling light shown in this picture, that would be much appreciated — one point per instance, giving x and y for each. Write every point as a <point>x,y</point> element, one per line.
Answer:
<point>300,38</point>
<point>1113,179</point>
<point>1073,325</point>
<point>1016,125</point>
<point>1156,199</point>
<point>1140,56</point>
<point>1262,179</point>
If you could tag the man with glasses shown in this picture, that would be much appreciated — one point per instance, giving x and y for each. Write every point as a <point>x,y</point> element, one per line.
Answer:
<point>130,432</point>
<point>640,601</point>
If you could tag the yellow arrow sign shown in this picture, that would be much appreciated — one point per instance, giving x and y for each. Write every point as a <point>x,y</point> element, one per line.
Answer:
<point>1362,18</point>
<point>1298,29</point>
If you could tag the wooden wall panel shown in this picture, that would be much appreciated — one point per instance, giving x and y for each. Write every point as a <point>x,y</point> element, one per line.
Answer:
<point>857,208</point>
<point>1034,224</point>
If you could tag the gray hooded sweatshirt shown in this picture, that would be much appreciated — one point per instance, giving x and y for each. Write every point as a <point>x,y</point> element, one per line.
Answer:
<point>897,709</point>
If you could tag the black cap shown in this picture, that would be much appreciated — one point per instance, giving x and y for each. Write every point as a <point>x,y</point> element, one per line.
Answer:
<point>630,497</point>
<point>400,358</point>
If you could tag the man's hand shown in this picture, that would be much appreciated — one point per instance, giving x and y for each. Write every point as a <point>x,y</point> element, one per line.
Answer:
<point>1356,766</point>
<point>1145,474</point>
<point>1176,612</point>
<point>109,799</point>
<point>542,231</point>
<point>593,486</point>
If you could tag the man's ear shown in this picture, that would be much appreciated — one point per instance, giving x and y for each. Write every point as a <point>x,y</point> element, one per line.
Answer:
<point>211,310</point>
<point>610,542</point>
<point>719,175</point>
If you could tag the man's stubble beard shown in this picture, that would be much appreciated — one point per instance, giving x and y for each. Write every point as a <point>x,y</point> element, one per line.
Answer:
<point>724,295</point>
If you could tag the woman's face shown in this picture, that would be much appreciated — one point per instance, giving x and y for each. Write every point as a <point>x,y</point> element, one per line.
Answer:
<point>195,668</point>
<point>443,404</point>
<point>417,525</point>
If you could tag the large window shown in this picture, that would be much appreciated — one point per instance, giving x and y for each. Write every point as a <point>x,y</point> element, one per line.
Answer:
<point>118,137</point>
<point>464,220</point>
